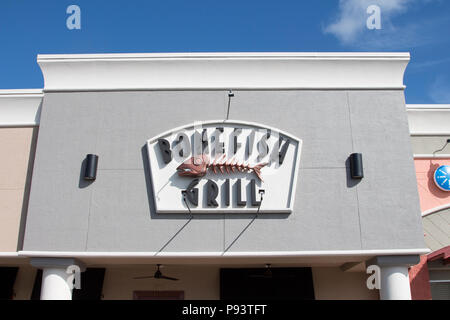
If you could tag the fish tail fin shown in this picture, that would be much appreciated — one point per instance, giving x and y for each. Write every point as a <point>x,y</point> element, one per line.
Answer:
<point>257,169</point>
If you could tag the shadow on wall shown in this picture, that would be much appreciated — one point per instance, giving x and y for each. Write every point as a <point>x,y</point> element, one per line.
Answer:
<point>432,188</point>
<point>26,196</point>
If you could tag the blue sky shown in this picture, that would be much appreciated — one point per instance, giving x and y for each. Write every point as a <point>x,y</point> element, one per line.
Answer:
<point>421,27</point>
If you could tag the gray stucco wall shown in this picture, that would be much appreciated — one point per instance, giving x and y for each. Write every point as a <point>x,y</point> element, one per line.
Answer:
<point>116,213</point>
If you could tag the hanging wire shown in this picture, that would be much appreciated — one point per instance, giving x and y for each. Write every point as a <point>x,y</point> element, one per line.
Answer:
<point>187,205</point>
<point>230,95</point>
<point>446,143</point>
<point>261,192</point>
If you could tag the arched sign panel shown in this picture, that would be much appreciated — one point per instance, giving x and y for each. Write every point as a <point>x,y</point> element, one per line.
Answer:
<point>224,167</point>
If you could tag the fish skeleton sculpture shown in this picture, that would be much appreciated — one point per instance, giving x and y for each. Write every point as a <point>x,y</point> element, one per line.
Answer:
<point>198,166</point>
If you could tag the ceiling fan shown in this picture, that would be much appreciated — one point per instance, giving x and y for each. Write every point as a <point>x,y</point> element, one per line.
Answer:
<point>158,275</point>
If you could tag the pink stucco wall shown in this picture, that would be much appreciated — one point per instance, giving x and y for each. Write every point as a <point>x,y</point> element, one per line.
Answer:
<point>430,195</point>
<point>420,280</point>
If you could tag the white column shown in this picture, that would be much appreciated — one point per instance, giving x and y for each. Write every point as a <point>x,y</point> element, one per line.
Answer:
<point>395,283</point>
<point>55,278</point>
<point>55,285</point>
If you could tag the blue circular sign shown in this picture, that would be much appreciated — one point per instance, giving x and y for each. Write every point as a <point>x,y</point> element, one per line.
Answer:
<point>442,178</point>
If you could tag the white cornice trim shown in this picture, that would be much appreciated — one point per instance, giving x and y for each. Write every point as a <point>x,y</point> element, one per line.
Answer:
<point>430,133</point>
<point>224,255</point>
<point>431,156</point>
<point>10,255</point>
<point>427,107</point>
<point>435,210</point>
<point>428,119</point>
<point>20,108</point>
<point>222,71</point>
<point>20,92</point>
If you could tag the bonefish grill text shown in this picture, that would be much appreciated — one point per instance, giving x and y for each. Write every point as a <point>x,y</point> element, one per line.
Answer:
<point>224,166</point>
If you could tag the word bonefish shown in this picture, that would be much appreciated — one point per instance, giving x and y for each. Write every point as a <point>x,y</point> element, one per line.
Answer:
<point>223,152</point>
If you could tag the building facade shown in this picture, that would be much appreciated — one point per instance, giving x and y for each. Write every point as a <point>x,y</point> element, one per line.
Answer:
<point>429,137</point>
<point>215,176</point>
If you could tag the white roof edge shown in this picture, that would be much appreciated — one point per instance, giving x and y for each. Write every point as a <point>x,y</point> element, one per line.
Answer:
<point>428,119</point>
<point>217,71</point>
<point>20,107</point>
<point>427,107</point>
<point>20,92</point>
<point>230,55</point>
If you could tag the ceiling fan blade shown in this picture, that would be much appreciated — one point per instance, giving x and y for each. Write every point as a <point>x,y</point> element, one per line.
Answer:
<point>169,278</point>
<point>145,277</point>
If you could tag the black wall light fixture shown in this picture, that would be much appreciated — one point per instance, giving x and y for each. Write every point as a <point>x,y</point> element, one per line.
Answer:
<point>90,172</point>
<point>356,166</point>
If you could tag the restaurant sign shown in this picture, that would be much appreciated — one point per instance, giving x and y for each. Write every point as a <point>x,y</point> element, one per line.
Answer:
<point>224,166</point>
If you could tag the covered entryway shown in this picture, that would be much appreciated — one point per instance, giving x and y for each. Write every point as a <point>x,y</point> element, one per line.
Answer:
<point>266,283</point>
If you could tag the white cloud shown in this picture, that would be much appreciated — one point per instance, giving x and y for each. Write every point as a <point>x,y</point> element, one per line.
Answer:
<point>440,90</point>
<point>352,16</point>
